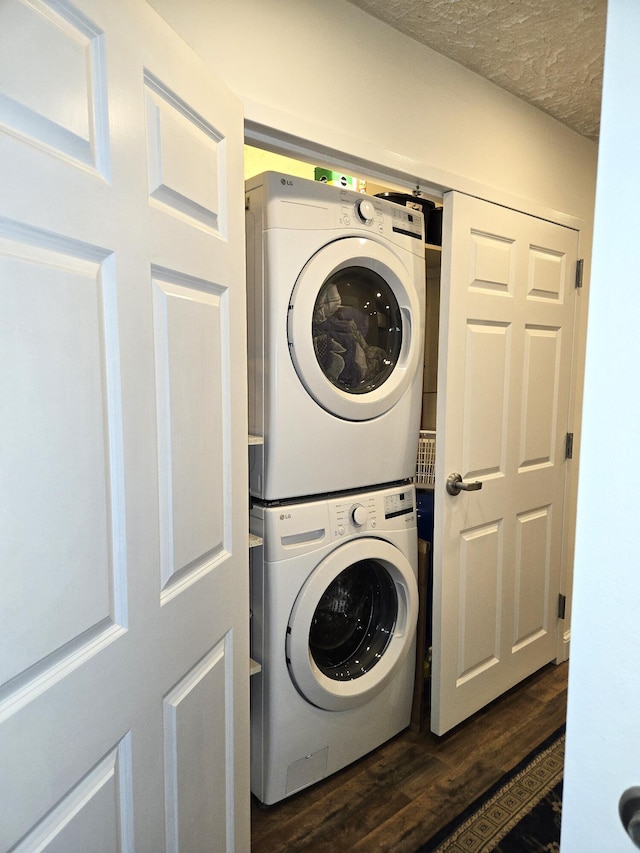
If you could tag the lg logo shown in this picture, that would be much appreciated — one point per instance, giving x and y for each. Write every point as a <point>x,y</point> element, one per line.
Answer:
<point>285,182</point>
<point>284,516</point>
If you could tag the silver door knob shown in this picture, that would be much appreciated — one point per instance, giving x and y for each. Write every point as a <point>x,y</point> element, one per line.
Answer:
<point>455,485</point>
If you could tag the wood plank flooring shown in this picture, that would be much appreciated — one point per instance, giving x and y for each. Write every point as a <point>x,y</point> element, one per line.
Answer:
<point>398,796</point>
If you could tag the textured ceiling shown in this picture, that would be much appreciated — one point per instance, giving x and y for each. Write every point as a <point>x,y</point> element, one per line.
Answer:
<point>547,52</point>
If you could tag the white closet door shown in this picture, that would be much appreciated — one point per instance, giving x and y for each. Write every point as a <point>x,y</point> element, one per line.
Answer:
<point>124,606</point>
<point>507,315</point>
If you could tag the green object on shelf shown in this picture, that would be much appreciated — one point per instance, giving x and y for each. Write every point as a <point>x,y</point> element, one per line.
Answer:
<point>336,179</point>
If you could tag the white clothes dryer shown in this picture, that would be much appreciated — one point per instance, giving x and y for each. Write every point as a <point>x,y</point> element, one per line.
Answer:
<point>336,303</point>
<point>334,604</point>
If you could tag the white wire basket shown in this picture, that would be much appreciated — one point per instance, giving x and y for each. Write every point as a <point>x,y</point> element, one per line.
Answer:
<point>425,477</point>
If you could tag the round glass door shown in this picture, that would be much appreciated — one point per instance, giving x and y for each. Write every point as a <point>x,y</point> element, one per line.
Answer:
<point>352,624</point>
<point>357,330</point>
<point>354,326</point>
<point>354,621</point>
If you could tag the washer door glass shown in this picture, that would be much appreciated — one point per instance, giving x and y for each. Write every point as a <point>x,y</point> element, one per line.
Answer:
<point>357,330</point>
<point>354,326</point>
<point>354,621</point>
<point>352,624</point>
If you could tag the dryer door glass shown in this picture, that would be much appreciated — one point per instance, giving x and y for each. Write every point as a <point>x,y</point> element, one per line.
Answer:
<point>357,330</point>
<point>354,621</point>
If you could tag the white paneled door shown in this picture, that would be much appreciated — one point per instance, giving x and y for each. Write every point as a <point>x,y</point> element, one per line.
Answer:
<point>123,462</point>
<point>507,315</point>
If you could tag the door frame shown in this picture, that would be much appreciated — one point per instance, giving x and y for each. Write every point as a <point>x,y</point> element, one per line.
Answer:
<point>437,184</point>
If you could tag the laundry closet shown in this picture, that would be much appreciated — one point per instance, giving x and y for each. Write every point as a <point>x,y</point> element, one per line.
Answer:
<point>504,319</point>
<point>498,537</point>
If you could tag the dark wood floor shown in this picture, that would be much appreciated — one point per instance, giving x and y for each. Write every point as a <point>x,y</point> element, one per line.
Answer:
<point>398,796</point>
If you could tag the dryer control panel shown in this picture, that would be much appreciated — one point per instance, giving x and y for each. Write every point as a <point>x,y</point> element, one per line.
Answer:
<point>374,212</point>
<point>276,200</point>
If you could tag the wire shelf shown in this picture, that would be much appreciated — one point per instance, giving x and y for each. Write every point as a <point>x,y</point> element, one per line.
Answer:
<point>425,476</point>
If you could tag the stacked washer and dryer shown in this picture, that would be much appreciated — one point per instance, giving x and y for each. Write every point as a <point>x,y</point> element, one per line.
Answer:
<point>336,284</point>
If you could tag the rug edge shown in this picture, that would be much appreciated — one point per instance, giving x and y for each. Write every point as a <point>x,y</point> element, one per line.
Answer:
<point>442,834</point>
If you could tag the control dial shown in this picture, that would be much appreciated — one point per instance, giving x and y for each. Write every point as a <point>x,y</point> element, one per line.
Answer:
<point>359,514</point>
<point>365,210</point>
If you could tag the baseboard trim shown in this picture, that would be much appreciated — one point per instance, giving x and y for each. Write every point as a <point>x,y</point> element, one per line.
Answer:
<point>564,646</point>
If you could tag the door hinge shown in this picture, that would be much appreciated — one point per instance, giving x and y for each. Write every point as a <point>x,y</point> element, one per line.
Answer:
<point>562,605</point>
<point>568,446</point>
<point>579,271</point>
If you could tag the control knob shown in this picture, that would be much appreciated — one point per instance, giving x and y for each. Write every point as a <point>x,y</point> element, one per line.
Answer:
<point>365,210</point>
<point>359,514</point>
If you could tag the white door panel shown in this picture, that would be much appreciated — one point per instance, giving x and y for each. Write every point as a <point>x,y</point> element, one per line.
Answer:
<point>123,459</point>
<point>503,408</point>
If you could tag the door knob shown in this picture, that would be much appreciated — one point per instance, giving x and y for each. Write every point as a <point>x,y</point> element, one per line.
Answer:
<point>630,813</point>
<point>455,485</point>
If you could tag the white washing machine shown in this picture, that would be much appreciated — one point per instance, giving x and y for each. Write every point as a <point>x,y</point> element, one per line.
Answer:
<point>336,303</point>
<point>334,604</point>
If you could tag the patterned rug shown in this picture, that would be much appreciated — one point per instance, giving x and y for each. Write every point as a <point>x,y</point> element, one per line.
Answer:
<point>520,814</point>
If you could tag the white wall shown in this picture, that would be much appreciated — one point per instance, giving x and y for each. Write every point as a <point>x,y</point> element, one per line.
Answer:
<point>327,72</point>
<point>603,726</point>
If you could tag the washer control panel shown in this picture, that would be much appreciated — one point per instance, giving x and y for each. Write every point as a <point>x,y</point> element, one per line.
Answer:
<point>388,508</point>
<point>398,503</point>
<point>353,515</point>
